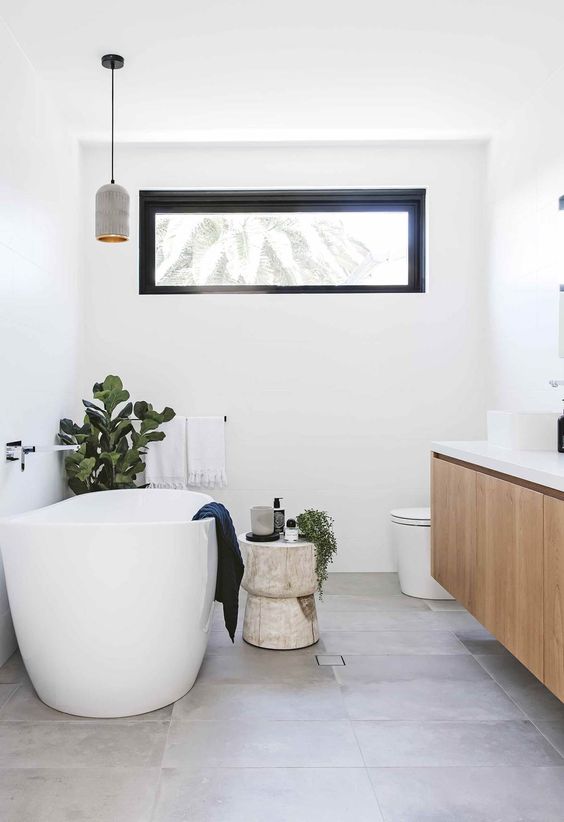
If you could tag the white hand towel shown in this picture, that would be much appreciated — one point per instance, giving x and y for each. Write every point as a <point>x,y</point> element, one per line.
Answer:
<point>166,464</point>
<point>206,452</point>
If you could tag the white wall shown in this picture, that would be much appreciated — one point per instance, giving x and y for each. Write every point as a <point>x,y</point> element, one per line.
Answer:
<point>525,180</point>
<point>38,306</point>
<point>332,400</point>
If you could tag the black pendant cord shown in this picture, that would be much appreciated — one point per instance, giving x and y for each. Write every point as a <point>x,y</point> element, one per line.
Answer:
<point>112,180</point>
<point>112,61</point>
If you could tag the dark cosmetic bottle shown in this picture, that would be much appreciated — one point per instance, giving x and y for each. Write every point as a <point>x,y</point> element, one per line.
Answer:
<point>279,516</point>
<point>560,436</point>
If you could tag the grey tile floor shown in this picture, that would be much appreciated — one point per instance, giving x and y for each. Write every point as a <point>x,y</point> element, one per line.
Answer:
<point>429,720</point>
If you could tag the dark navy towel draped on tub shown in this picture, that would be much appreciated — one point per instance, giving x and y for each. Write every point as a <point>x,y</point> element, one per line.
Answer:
<point>230,565</point>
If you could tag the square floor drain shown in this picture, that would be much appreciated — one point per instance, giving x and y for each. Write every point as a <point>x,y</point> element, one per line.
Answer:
<point>329,659</point>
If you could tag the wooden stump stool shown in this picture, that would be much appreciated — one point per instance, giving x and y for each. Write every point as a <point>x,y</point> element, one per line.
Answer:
<point>280,581</point>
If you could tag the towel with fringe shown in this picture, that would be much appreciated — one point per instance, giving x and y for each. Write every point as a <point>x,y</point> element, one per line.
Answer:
<point>166,464</point>
<point>206,452</point>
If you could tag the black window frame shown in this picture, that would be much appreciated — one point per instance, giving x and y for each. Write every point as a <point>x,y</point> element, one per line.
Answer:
<point>411,200</point>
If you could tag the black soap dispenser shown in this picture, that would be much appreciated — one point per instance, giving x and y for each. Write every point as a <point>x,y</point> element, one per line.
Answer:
<point>279,516</point>
<point>560,434</point>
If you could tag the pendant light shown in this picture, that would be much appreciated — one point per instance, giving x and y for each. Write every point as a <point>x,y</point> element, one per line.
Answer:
<point>112,201</point>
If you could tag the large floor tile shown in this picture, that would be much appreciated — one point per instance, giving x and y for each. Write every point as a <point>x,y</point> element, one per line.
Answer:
<point>77,795</point>
<point>322,700</point>
<point>422,687</point>
<point>396,621</point>
<point>409,642</point>
<point>264,666</point>
<point>390,602</point>
<point>363,585</point>
<point>219,642</point>
<point>6,691</point>
<point>394,668</point>
<point>262,743</point>
<point>375,643</point>
<point>25,705</point>
<point>525,689</point>
<point>82,744</point>
<point>509,794</point>
<point>436,744</point>
<point>480,642</point>
<point>445,605</point>
<point>554,732</point>
<point>429,700</point>
<point>273,794</point>
<point>13,671</point>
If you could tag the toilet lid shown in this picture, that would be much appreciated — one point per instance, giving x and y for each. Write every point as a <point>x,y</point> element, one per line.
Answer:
<point>411,516</point>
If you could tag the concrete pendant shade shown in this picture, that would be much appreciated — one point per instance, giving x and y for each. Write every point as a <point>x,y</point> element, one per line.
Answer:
<point>112,201</point>
<point>112,214</point>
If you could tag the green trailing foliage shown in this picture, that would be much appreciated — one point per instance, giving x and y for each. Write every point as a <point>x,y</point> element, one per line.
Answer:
<point>317,527</point>
<point>110,451</point>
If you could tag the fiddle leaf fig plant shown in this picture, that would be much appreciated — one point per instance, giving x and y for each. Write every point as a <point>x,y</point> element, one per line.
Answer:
<point>110,451</point>
<point>317,527</point>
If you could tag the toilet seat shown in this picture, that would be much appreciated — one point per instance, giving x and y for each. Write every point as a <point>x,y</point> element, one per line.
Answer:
<point>412,516</point>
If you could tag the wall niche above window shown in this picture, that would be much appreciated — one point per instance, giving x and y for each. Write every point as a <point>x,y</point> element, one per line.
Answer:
<point>271,242</point>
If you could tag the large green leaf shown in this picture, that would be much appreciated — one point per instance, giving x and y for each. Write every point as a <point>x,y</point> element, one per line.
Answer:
<point>110,457</point>
<point>88,404</point>
<point>116,398</point>
<point>127,460</point>
<point>112,383</point>
<point>95,413</point>
<point>125,412</point>
<point>138,468</point>
<point>154,436</point>
<point>148,424</point>
<point>122,430</point>
<point>140,409</point>
<point>77,486</point>
<point>122,446</point>
<point>97,422</point>
<point>102,395</point>
<point>68,426</point>
<point>86,467</point>
<point>111,398</point>
<point>125,478</point>
<point>72,468</point>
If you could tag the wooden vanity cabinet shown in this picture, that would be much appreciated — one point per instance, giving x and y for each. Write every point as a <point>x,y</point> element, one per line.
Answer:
<point>453,523</point>
<point>509,567</point>
<point>554,595</point>
<point>498,547</point>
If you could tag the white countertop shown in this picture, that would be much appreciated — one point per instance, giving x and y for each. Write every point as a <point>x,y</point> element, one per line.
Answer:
<point>541,467</point>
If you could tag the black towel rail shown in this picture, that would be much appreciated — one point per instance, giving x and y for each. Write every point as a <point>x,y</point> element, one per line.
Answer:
<point>136,419</point>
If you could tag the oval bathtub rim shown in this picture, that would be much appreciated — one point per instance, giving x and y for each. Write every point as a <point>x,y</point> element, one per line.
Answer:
<point>27,518</point>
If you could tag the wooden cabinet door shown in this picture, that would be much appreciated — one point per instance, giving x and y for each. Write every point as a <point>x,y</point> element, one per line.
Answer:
<point>453,529</point>
<point>509,573</point>
<point>554,595</point>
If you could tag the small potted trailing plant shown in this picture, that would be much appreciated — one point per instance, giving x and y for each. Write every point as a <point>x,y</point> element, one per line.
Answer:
<point>110,451</point>
<point>317,527</point>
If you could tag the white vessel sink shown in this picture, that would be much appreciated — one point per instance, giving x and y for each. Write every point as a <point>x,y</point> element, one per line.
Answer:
<point>523,431</point>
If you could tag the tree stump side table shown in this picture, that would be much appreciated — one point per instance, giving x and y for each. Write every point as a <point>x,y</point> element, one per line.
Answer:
<point>280,581</point>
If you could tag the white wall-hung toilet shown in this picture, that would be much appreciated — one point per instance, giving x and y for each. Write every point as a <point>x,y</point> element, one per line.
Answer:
<point>411,535</point>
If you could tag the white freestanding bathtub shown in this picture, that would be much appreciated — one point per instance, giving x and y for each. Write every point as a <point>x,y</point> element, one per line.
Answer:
<point>111,595</point>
